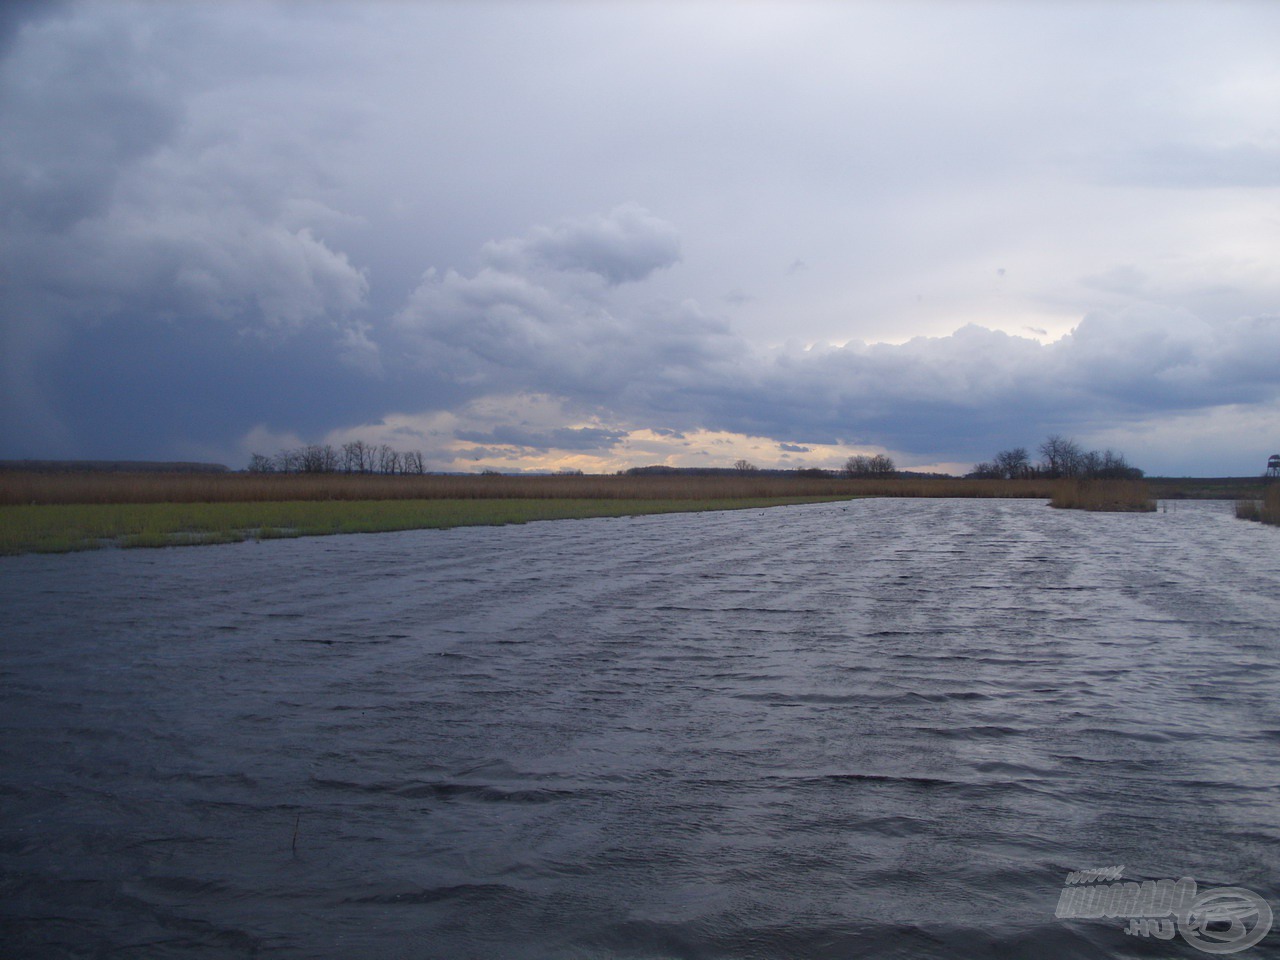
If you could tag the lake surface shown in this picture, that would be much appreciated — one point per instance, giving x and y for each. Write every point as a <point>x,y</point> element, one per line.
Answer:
<point>884,728</point>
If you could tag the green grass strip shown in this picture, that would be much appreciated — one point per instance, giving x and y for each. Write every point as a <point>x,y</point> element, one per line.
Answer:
<point>64,528</point>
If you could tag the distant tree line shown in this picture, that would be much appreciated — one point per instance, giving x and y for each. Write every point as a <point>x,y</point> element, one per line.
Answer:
<point>1059,457</point>
<point>111,466</point>
<point>862,466</point>
<point>354,457</point>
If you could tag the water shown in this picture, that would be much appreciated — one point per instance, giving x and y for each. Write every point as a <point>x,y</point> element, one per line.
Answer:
<point>883,729</point>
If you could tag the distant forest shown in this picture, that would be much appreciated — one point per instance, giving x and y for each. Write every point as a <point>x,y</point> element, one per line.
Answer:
<point>354,457</point>
<point>112,466</point>
<point>1060,457</point>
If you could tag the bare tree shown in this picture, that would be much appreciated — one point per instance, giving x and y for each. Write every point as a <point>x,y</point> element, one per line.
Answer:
<point>318,459</point>
<point>745,466</point>
<point>353,457</point>
<point>857,466</point>
<point>881,466</point>
<point>1013,464</point>
<point>1062,456</point>
<point>260,464</point>
<point>388,459</point>
<point>863,466</point>
<point>289,461</point>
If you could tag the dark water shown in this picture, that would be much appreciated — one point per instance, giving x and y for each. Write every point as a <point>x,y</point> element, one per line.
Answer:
<point>882,729</point>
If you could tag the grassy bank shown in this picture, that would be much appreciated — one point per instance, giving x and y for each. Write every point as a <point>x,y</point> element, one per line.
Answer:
<point>69,488</point>
<point>1266,510</point>
<point>1107,496</point>
<point>79,511</point>
<point>1206,488</point>
<point>59,528</point>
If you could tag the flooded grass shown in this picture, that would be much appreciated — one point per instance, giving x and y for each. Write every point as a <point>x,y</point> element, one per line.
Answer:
<point>62,528</point>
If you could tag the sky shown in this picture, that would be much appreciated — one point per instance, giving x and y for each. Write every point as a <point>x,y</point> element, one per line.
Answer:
<point>586,235</point>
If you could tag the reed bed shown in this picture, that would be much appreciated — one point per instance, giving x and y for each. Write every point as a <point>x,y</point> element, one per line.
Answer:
<point>1266,510</point>
<point>1106,496</point>
<point>103,488</point>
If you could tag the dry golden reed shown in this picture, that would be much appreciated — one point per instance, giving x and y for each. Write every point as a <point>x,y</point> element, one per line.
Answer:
<point>1266,510</point>
<point>1108,496</point>
<point>66,488</point>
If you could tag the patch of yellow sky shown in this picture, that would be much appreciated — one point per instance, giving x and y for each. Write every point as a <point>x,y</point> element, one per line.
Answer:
<point>697,448</point>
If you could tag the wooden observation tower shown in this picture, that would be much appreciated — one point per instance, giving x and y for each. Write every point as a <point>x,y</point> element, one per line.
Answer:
<point>1273,466</point>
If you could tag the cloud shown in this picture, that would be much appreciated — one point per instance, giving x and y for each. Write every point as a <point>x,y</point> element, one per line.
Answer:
<point>523,327</point>
<point>562,438</point>
<point>528,323</point>
<point>1180,166</point>
<point>79,105</point>
<point>626,244</point>
<point>218,216</point>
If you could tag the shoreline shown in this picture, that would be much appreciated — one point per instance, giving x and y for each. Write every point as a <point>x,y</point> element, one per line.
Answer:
<point>70,528</point>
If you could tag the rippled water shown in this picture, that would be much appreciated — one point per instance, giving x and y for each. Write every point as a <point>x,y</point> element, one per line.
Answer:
<point>884,728</point>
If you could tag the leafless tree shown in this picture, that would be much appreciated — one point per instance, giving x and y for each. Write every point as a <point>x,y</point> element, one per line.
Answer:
<point>882,466</point>
<point>1062,456</point>
<point>353,457</point>
<point>864,466</point>
<point>388,459</point>
<point>260,464</point>
<point>317,458</point>
<point>1013,464</point>
<point>289,461</point>
<point>745,466</point>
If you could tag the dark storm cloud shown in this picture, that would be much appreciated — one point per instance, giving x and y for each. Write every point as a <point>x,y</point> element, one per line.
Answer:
<point>536,323</point>
<point>502,331</point>
<point>77,108</point>
<point>15,14</point>
<point>125,229</point>
<point>215,219</point>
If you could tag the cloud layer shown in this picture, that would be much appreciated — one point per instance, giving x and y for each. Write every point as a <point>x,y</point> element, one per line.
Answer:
<point>602,235</point>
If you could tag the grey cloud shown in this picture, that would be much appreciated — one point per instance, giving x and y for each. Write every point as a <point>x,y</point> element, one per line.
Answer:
<point>79,104</point>
<point>116,204</point>
<point>563,438</point>
<point>1202,166</point>
<point>522,326</point>
<point>238,187</point>
<point>979,386</point>
<point>501,331</point>
<point>1122,278</point>
<point>626,244</point>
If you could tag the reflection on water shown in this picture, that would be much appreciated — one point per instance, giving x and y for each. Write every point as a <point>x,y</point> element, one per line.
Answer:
<point>881,728</point>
